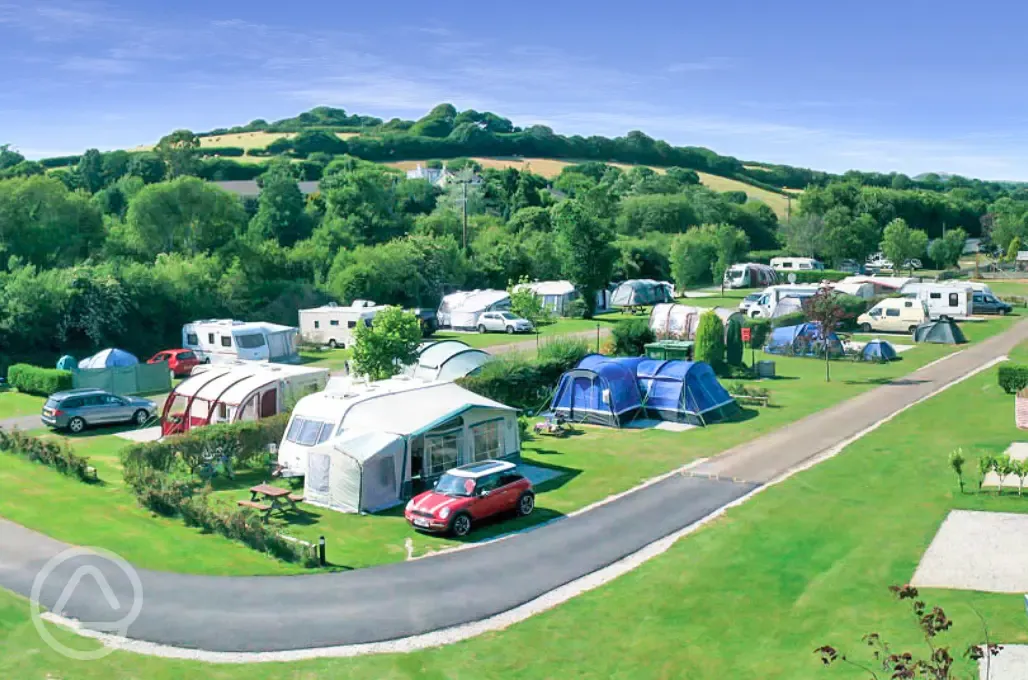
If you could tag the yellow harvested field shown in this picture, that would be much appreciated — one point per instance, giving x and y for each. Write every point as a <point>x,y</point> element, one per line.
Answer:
<point>245,140</point>
<point>550,168</point>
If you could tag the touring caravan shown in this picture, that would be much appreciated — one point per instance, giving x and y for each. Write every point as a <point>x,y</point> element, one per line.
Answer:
<point>333,325</point>
<point>764,307</point>
<point>795,264</point>
<point>461,309</point>
<point>942,300</point>
<point>750,275</point>
<point>224,340</point>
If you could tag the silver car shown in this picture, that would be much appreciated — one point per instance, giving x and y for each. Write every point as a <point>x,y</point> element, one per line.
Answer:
<point>503,322</point>
<point>74,410</point>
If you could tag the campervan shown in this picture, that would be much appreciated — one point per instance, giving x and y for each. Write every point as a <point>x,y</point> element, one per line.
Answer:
<point>794,264</point>
<point>333,325</point>
<point>895,315</point>
<point>750,275</point>
<point>765,306</point>
<point>224,340</point>
<point>942,300</point>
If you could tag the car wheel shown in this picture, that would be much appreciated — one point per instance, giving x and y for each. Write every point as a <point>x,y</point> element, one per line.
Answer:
<point>481,328</point>
<point>865,327</point>
<point>461,525</point>
<point>526,504</point>
<point>76,425</point>
<point>1004,311</point>
<point>141,417</point>
<point>332,343</point>
<point>912,330</point>
<point>510,330</point>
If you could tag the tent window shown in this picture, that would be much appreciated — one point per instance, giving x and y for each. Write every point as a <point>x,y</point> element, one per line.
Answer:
<point>251,341</point>
<point>486,437</point>
<point>386,474</point>
<point>442,451</point>
<point>308,432</point>
<point>317,472</point>
<point>191,339</point>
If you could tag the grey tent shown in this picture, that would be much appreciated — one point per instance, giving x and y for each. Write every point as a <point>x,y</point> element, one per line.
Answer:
<point>640,293</point>
<point>878,350</point>
<point>943,331</point>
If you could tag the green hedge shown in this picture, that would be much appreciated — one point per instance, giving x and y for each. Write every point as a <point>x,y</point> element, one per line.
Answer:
<point>1013,377</point>
<point>227,151</point>
<point>57,455</point>
<point>759,330</point>
<point>631,337</point>
<point>36,380</point>
<point>59,161</point>
<point>793,319</point>
<point>765,256</point>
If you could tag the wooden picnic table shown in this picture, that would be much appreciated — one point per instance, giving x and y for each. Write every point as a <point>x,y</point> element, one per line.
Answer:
<point>268,499</point>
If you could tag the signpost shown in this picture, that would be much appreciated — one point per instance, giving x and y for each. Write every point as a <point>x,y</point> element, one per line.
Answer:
<point>747,334</point>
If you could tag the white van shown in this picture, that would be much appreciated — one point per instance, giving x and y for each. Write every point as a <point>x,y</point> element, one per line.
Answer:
<point>225,340</point>
<point>954,301</point>
<point>796,264</point>
<point>765,305</point>
<point>333,325</point>
<point>894,315</point>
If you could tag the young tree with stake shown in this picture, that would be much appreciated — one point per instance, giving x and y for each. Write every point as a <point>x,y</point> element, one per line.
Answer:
<point>956,461</point>
<point>823,310</point>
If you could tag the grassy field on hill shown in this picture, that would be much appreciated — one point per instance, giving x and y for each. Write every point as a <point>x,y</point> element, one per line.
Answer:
<point>550,168</point>
<point>244,140</point>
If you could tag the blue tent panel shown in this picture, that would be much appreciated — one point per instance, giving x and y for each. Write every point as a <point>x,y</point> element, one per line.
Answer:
<point>599,390</point>
<point>879,350</point>
<point>684,391</point>
<point>109,357</point>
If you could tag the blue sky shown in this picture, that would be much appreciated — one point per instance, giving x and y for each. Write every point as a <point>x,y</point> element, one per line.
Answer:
<point>911,86</point>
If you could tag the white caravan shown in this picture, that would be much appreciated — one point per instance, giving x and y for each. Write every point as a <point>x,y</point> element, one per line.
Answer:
<point>795,264</point>
<point>750,275</point>
<point>461,309</point>
<point>218,341</point>
<point>333,325</point>
<point>764,307</point>
<point>954,301</point>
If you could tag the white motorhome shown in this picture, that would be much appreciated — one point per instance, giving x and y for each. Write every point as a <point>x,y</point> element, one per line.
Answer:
<point>976,286</point>
<point>954,301</point>
<point>861,290</point>
<point>225,340</point>
<point>750,275</point>
<point>333,325</point>
<point>764,307</point>
<point>795,264</point>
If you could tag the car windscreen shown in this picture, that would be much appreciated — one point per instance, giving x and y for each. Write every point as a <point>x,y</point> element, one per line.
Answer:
<point>250,341</point>
<point>752,297</point>
<point>307,432</point>
<point>452,485</point>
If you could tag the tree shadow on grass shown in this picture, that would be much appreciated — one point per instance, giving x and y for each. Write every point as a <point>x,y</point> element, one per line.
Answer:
<point>895,382</point>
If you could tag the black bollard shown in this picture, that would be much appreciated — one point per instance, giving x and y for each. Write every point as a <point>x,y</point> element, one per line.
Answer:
<point>321,551</point>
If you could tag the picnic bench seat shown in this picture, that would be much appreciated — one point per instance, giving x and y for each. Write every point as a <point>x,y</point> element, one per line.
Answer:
<point>263,507</point>
<point>296,497</point>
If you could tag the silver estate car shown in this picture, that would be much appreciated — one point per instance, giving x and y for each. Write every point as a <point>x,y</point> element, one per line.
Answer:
<point>74,410</point>
<point>503,322</point>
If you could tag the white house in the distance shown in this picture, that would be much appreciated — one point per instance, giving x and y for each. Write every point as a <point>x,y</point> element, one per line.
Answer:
<point>438,176</point>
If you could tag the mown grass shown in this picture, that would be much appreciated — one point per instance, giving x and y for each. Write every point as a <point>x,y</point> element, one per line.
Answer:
<point>550,330</point>
<point>805,563</point>
<point>14,403</point>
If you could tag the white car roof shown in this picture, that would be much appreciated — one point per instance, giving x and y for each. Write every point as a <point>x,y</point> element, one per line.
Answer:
<point>481,469</point>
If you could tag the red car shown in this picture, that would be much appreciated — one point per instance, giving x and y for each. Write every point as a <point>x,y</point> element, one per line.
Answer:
<point>469,494</point>
<point>180,361</point>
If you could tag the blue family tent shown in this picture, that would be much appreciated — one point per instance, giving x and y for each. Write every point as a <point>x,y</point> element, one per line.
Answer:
<point>684,392</point>
<point>108,358</point>
<point>613,391</point>
<point>67,363</point>
<point>879,350</point>
<point>802,341</point>
<point>599,390</point>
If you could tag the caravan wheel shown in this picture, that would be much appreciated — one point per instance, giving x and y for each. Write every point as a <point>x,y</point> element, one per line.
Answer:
<point>912,330</point>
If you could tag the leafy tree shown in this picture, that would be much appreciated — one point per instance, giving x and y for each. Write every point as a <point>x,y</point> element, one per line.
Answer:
<point>642,258</point>
<point>803,235</point>
<point>8,157</point>
<point>683,176</point>
<point>497,255</point>
<point>710,341</point>
<point>900,243</point>
<point>525,303</point>
<point>946,251</point>
<point>147,166</point>
<point>540,252</point>
<point>390,343</point>
<point>114,166</point>
<point>179,153</point>
<point>846,237</point>
<point>738,197</point>
<point>1015,247</point>
<point>692,257</point>
<point>184,215</point>
<point>656,212</point>
<point>439,122</point>
<point>89,171</point>
<point>532,219</point>
<point>584,243</point>
<point>729,246</point>
<point>631,337</point>
<point>281,211</point>
<point>733,343</point>
<point>361,204</point>
<point>824,309</point>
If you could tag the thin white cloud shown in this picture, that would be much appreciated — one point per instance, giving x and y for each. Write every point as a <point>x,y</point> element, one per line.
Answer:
<point>707,64</point>
<point>99,66</point>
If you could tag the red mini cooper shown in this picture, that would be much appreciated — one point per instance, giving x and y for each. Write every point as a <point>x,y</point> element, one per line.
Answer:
<point>469,494</point>
<point>180,361</point>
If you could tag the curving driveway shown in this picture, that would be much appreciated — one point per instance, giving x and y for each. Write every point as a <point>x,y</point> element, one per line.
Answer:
<point>247,614</point>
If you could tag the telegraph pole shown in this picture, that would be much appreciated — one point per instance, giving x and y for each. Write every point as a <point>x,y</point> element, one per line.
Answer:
<point>464,203</point>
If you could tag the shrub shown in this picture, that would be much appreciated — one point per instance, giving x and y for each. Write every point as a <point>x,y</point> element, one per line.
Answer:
<point>511,380</point>
<point>226,151</point>
<point>632,336</point>
<point>852,307</point>
<point>559,355</point>
<point>57,455</point>
<point>36,380</point>
<point>759,330</point>
<point>710,340</point>
<point>1015,300</point>
<point>1012,377</point>
<point>950,274</point>
<point>576,310</point>
<point>733,342</point>
<point>793,319</point>
<point>813,275</point>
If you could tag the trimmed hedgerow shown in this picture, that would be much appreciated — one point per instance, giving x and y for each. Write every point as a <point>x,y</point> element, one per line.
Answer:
<point>37,380</point>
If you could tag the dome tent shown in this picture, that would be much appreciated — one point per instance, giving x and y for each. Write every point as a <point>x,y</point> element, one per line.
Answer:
<point>599,390</point>
<point>67,363</point>
<point>878,350</point>
<point>944,331</point>
<point>801,341</point>
<point>447,360</point>
<point>684,391</point>
<point>109,357</point>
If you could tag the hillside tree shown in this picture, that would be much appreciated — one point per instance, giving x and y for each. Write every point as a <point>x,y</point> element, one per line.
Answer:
<point>384,348</point>
<point>147,166</point>
<point>281,207</point>
<point>89,171</point>
<point>946,251</point>
<point>179,153</point>
<point>585,246</point>
<point>730,245</point>
<point>900,243</point>
<point>803,235</point>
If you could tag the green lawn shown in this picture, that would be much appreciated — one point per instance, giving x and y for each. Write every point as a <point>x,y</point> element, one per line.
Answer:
<point>559,327</point>
<point>13,403</point>
<point>803,564</point>
<point>332,359</point>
